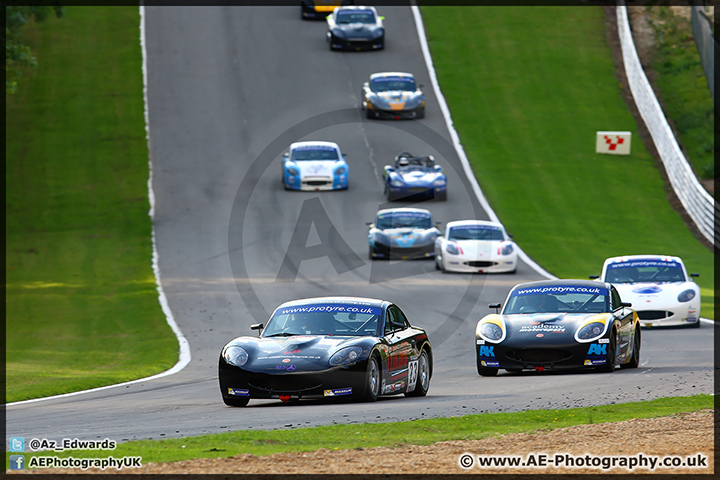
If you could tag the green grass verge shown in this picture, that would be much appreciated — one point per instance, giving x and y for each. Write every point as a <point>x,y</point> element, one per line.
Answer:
<point>527,93</point>
<point>683,88</point>
<point>368,435</point>
<point>82,306</point>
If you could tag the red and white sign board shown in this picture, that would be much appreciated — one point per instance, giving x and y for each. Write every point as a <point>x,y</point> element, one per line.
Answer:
<point>614,143</point>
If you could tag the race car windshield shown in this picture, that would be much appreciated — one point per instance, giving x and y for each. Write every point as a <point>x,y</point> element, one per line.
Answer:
<point>471,232</point>
<point>558,299</point>
<point>385,222</point>
<point>386,85</point>
<point>644,271</point>
<point>314,154</point>
<point>344,18</point>
<point>324,319</point>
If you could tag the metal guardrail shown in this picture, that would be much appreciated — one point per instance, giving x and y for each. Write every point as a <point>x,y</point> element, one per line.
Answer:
<point>698,203</point>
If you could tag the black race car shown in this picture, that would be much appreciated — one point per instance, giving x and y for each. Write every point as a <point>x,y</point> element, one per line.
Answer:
<point>351,347</point>
<point>556,324</point>
<point>319,9</point>
<point>404,233</point>
<point>355,28</point>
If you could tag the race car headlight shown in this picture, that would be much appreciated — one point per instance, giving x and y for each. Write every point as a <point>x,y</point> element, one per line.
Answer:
<point>235,355</point>
<point>377,33</point>
<point>452,249</point>
<point>345,356</point>
<point>507,249</point>
<point>338,32</point>
<point>491,331</point>
<point>340,171</point>
<point>293,171</point>
<point>686,296</point>
<point>396,183</point>
<point>591,331</point>
<point>439,183</point>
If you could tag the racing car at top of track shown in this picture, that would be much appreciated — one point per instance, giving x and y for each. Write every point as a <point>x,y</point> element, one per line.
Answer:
<point>319,9</point>
<point>557,324</point>
<point>355,28</point>
<point>357,348</point>
<point>393,95</point>
<point>659,287</point>
<point>314,166</point>
<point>412,176</point>
<point>404,233</point>
<point>475,246</point>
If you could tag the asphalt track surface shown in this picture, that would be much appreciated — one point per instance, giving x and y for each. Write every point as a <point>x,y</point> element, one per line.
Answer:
<point>229,88</point>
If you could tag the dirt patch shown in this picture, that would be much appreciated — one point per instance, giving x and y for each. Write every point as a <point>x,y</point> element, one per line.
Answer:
<point>688,435</point>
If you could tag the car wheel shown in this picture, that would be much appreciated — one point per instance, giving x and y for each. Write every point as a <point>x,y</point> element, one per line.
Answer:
<point>423,381</point>
<point>609,367</point>
<point>372,380</point>
<point>441,196</point>
<point>236,402</point>
<point>482,370</point>
<point>696,324</point>
<point>635,359</point>
<point>370,253</point>
<point>437,264</point>
<point>421,113</point>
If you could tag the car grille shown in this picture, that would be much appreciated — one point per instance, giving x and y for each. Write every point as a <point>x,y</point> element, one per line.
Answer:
<point>480,263</point>
<point>317,182</point>
<point>418,189</point>
<point>539,355</point>
<point>653,314</point>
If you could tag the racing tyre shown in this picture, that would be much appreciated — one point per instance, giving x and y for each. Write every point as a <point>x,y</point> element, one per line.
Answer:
<point>484,371</point>
<point>635,359</point>
<point>437,264</point>
<point>609,367</point>
<point>236,402</point>
<point>442,196</point>
<point>696,324</point>
<point>370,254</point>
<point>423,380</point>
<point>372,380</point>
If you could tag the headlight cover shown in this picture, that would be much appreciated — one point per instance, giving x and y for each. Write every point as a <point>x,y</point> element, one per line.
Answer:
<point>491,332</point>
<point>451,249</point>
<point>346,356</point>
<point>235,355</point>
<point>396,182</point>
<point>293,171</point>
<point>340,171</point>
<point>591,331</point>
<point>686,296</point>
<point>439,182</point>
<point>507,249</point>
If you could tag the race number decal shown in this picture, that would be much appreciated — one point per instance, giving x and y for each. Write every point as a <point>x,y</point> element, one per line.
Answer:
<point>412,375</point>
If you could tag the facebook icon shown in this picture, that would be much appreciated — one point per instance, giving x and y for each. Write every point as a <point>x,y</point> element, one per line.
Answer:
<point>17,462</point>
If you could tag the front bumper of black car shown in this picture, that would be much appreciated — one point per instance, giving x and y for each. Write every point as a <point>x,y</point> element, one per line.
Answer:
<point>373,111</point>
<point>545,354</point>
<point>357,44</point>
<point>341,381</point>
<point>380,250</point>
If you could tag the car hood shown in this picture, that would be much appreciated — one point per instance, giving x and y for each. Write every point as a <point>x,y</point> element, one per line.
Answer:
<point>477,249</point>
<point>298,352</point>
<point>544,325</point>
<point>407,237</point>
<point>648,295</point>
<point>317,168</point>
<point>418,176</point>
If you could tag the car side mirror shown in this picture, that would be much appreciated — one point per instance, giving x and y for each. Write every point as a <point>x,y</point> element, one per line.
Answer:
<point>382,18</point>
<point>438,168</point>
<point>496,306</point>
<point>344,155</point>
<point>286,155</point>
<point>594,277</point>
<point>369,224</point>
<point>625,304</point>
<point>438,222</point>
<point>258,327</point>
<point>510,235</point>
<point>694,274</point>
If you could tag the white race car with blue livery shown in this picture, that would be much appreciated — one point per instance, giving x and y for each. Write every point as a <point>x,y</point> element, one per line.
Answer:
<point>475,246</point>
<point>314,166</point>
<point>658,286</point>
<point>403,233</point>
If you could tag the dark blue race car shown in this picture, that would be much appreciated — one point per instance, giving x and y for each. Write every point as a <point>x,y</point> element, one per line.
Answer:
<point>412,177</point>
<point>346,347</point>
